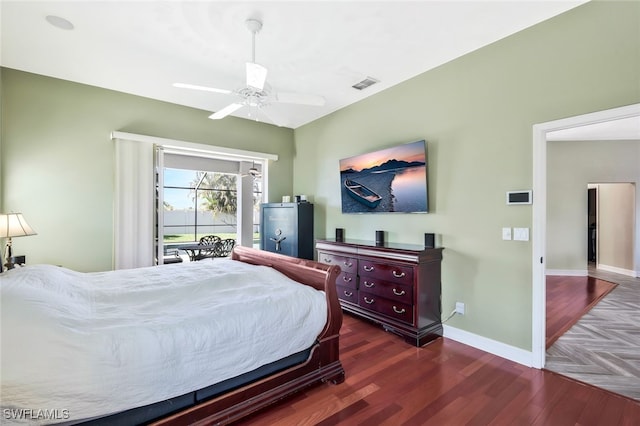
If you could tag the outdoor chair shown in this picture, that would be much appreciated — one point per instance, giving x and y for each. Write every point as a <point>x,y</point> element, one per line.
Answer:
<point>225,247</point>
<point>210,246</point>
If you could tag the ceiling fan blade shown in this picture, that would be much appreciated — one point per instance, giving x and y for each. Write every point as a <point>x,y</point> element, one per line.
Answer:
<point>256,75</point>
<point>299,98</point>
<point>205,88</point>
<point>229,109</point>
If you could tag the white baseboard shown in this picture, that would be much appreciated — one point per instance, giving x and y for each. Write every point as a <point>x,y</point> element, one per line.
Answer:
<point>494,347</point>
<point>615,269</point>
<point>568,272</point>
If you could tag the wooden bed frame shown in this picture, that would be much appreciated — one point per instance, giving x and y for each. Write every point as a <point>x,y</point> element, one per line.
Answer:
<point>323,364</point>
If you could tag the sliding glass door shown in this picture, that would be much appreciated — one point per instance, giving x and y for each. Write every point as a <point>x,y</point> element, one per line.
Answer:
<point>199,196</point>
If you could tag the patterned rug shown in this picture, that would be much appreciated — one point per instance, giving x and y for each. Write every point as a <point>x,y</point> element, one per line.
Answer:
<point>603,347</point>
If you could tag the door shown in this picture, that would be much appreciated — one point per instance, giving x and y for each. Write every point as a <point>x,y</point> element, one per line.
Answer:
<point>592,222</point>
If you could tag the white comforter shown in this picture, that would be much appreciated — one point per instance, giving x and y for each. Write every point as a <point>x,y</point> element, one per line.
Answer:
<point>88,344</point>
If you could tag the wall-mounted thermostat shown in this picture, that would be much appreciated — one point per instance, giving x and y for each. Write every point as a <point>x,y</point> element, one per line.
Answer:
<point>519,197</point>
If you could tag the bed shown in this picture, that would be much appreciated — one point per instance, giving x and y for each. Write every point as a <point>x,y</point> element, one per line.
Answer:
<point>198,343</point>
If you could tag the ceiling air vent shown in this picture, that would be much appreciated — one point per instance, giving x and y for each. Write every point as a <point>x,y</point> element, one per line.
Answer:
<point>368,81</point>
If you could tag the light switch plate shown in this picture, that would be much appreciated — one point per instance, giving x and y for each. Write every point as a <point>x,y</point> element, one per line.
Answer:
<point>521,234</point>
<point>506,234</point>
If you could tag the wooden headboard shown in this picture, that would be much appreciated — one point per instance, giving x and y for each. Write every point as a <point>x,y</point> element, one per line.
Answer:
<point>305,271</point>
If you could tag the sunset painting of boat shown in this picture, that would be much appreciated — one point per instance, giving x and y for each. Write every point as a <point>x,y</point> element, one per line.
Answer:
<point>362,194</point>
<point>389,180</point>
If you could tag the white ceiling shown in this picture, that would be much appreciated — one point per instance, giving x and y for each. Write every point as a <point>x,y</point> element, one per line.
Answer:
<point>316,47</point>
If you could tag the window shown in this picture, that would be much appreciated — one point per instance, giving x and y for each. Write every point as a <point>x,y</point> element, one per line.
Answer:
<point>204,195</point>
<point>141,161</point>
<point>199,203</point>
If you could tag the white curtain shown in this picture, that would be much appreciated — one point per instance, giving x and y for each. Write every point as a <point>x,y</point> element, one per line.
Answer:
<point>134,209</point>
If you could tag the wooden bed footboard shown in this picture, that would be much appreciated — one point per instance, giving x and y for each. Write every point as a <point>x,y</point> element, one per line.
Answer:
<point>323,364</point>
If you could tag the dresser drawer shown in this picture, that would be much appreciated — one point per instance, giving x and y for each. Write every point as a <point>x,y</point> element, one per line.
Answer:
<point>397,311</point>
<point>347,294</point>
<point>346,264</point>
<point>386,271</point>
<point>347,279</point>
<point>393,291</point>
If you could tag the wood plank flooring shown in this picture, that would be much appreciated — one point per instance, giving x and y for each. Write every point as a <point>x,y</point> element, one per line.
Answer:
<point>389,382</point>
<point>568,299</point>
<point>602,347</point>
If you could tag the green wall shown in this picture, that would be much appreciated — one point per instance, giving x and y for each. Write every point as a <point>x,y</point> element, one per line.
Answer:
<point>476,114</point>
<point>57,159</point>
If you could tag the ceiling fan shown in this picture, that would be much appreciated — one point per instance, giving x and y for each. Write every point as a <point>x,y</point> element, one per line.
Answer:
<point>253,172</point>
<point>256,93</point>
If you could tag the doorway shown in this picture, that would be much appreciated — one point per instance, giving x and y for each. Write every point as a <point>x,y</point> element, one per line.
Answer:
<point>539,228</point>
<point>616,218</point>
<point>592,224</point>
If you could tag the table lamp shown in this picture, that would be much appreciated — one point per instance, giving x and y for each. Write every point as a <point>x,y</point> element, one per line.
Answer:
<point>13,225</point>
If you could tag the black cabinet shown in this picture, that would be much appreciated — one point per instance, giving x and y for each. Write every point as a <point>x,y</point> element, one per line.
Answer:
<point>287,228</point>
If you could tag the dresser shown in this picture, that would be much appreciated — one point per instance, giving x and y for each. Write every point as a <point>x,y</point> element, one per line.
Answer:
<point>395,285</point>
<point>287,228</point>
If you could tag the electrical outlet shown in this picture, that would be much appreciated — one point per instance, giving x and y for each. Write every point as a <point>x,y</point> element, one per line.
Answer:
<point>460,308</point>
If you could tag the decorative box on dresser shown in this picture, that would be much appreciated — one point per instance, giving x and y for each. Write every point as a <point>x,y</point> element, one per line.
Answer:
<point>287,228</point>
<point>396,285</point>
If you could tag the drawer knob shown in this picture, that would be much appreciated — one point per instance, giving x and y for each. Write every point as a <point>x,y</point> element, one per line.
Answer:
<point>348,293</point>
<point>398,311</point>
<point>398,275</point>
<point>346,279</point>
<point>368,268</point>
<point>369,301</point>
<point>398,293</point>
<point>327,260</point>
<point>348,264</point>
<point>369,284</point>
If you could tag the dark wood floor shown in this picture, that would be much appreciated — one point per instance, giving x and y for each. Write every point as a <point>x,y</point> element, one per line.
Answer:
<point>568,299</point>
<point>389,382</point>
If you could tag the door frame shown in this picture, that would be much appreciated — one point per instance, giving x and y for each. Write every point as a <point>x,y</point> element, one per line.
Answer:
<point>539,225</point>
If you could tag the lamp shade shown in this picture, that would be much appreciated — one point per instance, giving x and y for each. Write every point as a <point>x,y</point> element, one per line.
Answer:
<point>14,225</point>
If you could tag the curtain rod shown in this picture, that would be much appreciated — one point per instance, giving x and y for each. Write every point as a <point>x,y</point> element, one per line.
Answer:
<point>194,147</point>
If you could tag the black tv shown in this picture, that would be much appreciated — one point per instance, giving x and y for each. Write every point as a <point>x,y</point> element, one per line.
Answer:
<point>392,180</point>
